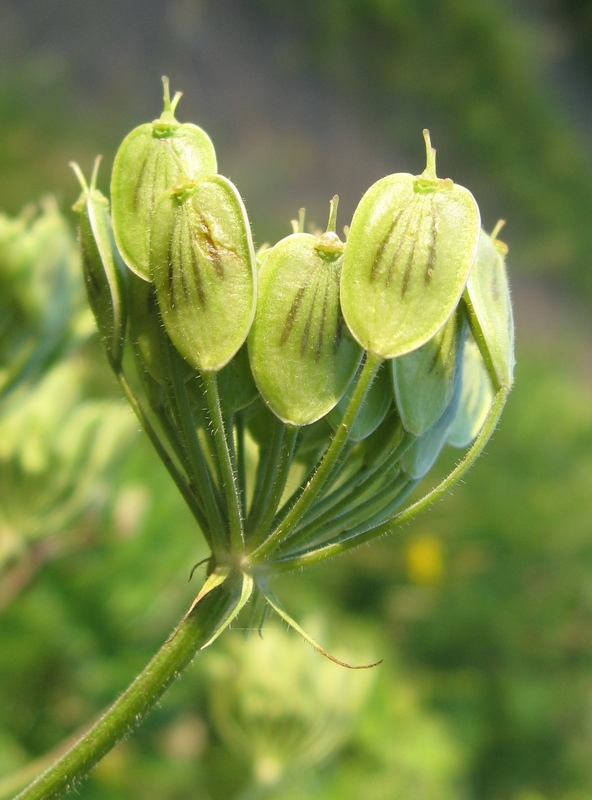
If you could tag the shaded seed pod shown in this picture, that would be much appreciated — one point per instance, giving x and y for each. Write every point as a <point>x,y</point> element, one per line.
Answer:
<point>301,355</point>
<point>424,379</point>
<point>203,265</point>
<point>490,308</point>
<point>146,332</point>
<point>475,399</point>
<point>410,248</point>
<point>151,159</point>
<point>373,411</point>
<point>104,272</point>
<point>235,383</point>
<point>421,456</point>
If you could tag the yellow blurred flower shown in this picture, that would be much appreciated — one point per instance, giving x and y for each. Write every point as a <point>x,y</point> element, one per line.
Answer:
<point>424,559</point>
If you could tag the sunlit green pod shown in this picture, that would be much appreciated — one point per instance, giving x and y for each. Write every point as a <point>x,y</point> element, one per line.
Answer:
<point>301,354</point>
<point>104,272</point>
<point>475,399</point>
<point>373,411</point>
<point>490,308</point>
<point>203,265</point>
<point>151,159</point>
<point>424,379</point>
<point>410,248</point>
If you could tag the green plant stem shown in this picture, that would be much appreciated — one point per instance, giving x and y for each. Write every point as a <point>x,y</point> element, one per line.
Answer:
<point>280,478</point>
<point>342,544</point>
<point>241,466</point>
<point>201,475</point>
<point>224,450</point>
<point>348,494</point>
<point>316,483</point>
<point>269,457</point>
<point>173,470</point>
<point>192,634</point>
<point>357,512</point>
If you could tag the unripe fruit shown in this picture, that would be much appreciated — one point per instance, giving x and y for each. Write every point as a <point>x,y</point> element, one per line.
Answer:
<point>151,159</point>
<point>410,248</point>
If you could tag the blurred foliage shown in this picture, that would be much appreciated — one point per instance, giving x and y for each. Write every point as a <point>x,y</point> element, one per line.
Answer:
<point>481,609</point>
<point>43,313</point>
<point>474,73</point>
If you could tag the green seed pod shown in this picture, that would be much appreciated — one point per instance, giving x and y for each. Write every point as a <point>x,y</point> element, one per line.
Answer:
<point>104,272</point>
<point>410,248</point>
<point>490,308</point>
<point>421,456</point>
<point>475,399</point>
<point>301,356</point>
<point>146,333</point>
<point>424,379</point>
<point>204,270</point>
<point>373,411</point>
<point>151,159</point>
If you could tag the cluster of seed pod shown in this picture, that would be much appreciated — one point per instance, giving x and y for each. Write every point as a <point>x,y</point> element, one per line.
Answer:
<point>346,365</point>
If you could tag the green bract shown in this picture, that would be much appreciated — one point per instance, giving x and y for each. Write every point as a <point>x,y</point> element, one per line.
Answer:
<point>152,158</point>
<point>424,379</point>
<point>203,266</point>
<point>490,308</point>
<point>104,273</point>
<point>301,354</point>
<point>411,246</point>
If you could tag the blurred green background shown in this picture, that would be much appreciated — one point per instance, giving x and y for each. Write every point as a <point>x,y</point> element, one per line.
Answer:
<point>482,608</point>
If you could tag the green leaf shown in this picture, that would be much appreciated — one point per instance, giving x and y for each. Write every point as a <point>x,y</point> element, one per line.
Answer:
<point>490,308</point>
<point>301,354</point>
<point>203,265</point>
<point>150,160</point>
<point>424,379</point>
<point>410,248</point>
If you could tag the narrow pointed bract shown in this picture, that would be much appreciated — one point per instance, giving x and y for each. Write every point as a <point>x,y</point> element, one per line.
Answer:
<point>104,272</point>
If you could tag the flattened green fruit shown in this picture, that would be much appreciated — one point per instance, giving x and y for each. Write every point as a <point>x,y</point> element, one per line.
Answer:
<point>475,399</point>
<point>105,274</point>
<point>203,265</point>
<point>301,355</point>
<point>410,248</point>
<point>490,308</point>
<point>424,379</point>
<point>151,159</point>
<point>421,456</point>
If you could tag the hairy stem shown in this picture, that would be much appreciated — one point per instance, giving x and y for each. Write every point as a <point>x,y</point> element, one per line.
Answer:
<point>192,634</point>
<point>328,462</point>
<point>350,540</point>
